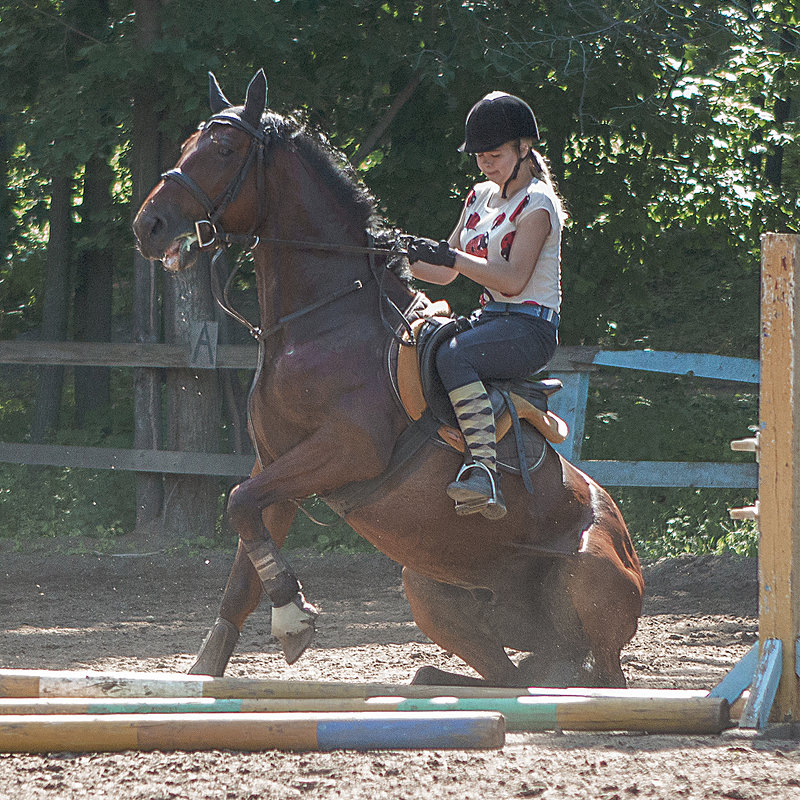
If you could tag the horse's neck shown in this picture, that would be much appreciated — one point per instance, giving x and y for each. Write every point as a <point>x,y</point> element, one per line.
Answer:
<point>304,209</point>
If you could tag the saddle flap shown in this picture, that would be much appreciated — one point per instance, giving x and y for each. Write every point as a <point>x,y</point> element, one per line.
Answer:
<point>409,383</point>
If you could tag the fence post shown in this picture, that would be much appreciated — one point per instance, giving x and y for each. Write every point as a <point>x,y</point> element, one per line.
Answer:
<point>570,405</point>
<point>779,463</point>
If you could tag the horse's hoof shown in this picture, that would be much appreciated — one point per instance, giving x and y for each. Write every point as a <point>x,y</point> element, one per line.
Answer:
<point>216,649</point>
<point>294,625</point>
<point>294,646</point>
<point>429,676</point>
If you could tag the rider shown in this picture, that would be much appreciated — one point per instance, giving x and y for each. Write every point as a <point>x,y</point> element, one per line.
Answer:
<point>508,240</point>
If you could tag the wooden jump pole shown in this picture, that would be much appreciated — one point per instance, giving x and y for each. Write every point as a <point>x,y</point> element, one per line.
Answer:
<point>87,733</point>
<point>778,510</point>
<point>660,714</point>
<point>74,683</point>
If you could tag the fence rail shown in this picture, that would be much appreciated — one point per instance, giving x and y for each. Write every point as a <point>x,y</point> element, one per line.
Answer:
<point>572,365</point>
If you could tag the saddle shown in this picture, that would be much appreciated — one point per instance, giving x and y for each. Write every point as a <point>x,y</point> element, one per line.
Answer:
<point>420,388</point>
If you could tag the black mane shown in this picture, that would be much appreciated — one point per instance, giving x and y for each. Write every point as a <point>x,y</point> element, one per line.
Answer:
<point>338,175</point>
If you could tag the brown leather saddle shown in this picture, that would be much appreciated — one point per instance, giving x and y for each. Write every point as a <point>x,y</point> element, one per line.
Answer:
<point>420,388</point>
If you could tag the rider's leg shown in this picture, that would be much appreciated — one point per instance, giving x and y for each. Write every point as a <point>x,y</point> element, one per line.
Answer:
<point>477,487</point>
<point>500,346</point>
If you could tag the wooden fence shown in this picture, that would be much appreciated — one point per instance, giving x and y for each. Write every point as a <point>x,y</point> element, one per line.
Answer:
<point>572,365</point>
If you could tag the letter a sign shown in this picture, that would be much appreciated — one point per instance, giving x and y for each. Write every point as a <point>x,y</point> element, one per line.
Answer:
<point>203,340</point>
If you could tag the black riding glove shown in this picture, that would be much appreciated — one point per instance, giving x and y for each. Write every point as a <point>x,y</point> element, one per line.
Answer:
<point>439,253</point>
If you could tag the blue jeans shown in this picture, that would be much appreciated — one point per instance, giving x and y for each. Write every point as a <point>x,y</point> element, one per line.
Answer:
<point>499,346</point>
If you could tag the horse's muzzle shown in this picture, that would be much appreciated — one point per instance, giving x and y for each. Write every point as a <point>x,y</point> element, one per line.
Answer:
<point>163,237</point>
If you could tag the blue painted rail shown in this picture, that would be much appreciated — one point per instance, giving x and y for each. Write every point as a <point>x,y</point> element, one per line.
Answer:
<point>574,367</point>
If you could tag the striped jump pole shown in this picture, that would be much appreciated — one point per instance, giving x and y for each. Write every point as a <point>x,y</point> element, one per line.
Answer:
<point>663,714</point>
<point>86,733</point>
<point>74,683</point>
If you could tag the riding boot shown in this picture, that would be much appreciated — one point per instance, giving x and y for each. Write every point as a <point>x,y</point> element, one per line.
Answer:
<point>476,488</point>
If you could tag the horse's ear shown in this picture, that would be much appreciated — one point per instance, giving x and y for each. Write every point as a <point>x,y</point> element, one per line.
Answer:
<point>256,101</point>
<point>216,99</point>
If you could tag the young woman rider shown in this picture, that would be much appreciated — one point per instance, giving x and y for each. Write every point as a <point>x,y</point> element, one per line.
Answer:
<point>508,240</point>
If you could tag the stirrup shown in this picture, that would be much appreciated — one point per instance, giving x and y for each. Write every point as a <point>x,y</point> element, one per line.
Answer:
<point>471,501</point>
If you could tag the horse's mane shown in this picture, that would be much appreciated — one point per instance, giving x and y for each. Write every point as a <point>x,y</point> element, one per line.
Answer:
<point>338,175</point>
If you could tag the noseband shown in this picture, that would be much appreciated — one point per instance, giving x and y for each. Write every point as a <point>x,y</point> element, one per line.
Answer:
<point>208,230</point>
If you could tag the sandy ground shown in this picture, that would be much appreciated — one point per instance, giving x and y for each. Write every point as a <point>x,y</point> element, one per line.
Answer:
<point>150,613</point>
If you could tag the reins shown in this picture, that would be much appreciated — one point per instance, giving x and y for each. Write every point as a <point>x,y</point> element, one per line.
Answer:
<point>221,296</point>
<point>210,234</point>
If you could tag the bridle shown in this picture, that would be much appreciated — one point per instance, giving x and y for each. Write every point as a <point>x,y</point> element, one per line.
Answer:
<point>210,233</point>
<point>214,209</point>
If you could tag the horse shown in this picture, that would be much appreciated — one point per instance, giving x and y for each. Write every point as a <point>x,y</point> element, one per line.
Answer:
<point>324,416</point>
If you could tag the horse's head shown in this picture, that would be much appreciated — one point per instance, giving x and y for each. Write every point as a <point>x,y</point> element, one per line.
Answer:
<point>212,190</point>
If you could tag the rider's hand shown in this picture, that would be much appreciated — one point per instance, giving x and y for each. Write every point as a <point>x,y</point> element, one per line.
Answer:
<point>439,253</point>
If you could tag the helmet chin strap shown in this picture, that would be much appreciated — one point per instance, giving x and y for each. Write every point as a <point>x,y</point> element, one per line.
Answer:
<point>512,176</point>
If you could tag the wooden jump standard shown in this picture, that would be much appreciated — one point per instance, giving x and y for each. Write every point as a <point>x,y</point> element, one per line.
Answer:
<point>773,669</point>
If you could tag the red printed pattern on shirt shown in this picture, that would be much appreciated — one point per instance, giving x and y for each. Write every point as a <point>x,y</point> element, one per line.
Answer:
<point>479,246</point>
<point>519,208</point>
<point>505,244</point>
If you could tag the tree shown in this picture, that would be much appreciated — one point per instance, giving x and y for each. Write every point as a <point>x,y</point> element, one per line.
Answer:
<point>670,128</point>
<point>145,168</point>
<point>55,306</point>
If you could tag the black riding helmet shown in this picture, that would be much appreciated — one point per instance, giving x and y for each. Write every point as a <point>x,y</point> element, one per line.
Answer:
<point>496,119</point>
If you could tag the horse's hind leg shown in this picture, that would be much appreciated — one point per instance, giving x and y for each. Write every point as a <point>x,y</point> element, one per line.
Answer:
<point>608,601</point>
<point>242,595</point>
<point>453,618</point>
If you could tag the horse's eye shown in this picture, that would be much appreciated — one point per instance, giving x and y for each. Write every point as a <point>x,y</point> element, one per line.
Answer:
<point>224,151</point>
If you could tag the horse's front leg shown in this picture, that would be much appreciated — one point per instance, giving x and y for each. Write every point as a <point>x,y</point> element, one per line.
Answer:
<point>315,465</point>
<point>242,596</point>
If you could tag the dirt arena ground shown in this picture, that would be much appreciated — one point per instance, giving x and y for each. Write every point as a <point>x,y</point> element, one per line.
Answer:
<point>107,612</point>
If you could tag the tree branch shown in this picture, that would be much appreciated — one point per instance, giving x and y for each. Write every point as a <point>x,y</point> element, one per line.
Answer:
<point>377,132</point>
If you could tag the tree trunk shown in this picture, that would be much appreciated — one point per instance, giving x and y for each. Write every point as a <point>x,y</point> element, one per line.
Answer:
<point>145,168</point>
<point>94,280</point>
<point>191,505</point>
<point>234,395</point>
<point>55,306</point>
<point>773,167</point>
<point>6,220</point>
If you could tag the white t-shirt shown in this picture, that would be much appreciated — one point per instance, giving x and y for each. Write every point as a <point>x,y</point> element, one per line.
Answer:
<point>488,229</point>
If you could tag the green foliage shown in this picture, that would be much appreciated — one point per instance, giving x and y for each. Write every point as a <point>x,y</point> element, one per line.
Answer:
<point>320,529</point>
<point>669,128</point>
<point>634,416</point>
<point>37,502</point>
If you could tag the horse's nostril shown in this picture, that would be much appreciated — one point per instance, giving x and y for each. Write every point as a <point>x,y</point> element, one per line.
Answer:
<point>156,225</point>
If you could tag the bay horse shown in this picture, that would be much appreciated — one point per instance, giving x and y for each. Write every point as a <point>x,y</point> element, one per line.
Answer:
<point>324,415</point>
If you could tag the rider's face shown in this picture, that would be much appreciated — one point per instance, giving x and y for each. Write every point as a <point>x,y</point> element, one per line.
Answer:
<point>498,165</point>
